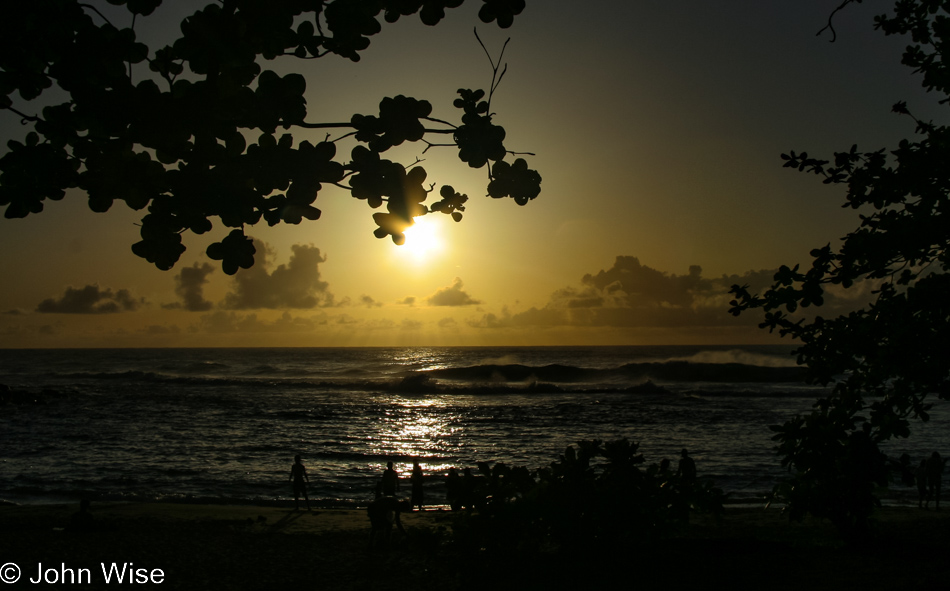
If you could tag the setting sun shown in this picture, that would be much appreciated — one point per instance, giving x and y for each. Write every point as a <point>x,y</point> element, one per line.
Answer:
<point>423,240</point>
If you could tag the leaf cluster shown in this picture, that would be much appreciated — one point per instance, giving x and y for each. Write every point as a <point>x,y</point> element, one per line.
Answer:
<point>207,133</point>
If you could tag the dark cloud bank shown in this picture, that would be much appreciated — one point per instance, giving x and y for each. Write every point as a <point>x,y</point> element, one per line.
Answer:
<point>632,295</point>
<point>294,285</point>
<point>91,299</point>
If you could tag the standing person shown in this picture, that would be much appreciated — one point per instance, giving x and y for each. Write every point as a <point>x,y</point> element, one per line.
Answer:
<point>416,481</point>
<point>934,478</point>
<point>298,475</point>
<point>685,487</point>
<point>390,481</point>
<point>453,489</point>
<point>468,489</point>
<point>921,477</point>
<point>687,468</point>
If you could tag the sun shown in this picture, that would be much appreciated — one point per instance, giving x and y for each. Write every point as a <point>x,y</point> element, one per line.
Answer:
<point>423,240</point>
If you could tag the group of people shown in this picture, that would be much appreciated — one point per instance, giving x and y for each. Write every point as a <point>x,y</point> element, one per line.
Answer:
<point>387,485</point>
<point>459,487</point>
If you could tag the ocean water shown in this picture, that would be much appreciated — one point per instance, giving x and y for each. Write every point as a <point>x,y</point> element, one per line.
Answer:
<point>223,425</point>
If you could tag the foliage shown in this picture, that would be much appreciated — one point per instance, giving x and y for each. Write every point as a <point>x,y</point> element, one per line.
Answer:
<point>196,138</point>
<point>886,359</point>
<point>595,495</point>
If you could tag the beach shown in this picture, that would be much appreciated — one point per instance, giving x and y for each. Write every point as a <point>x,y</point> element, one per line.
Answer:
<point>207,546</point>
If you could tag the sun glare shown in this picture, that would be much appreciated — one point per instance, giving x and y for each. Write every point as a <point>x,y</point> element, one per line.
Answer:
<point>423,240</point>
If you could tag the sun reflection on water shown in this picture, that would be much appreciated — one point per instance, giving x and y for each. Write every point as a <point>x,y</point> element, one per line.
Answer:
<point>417,429</point>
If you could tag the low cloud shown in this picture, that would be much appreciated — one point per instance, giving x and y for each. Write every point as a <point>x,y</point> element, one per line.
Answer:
<point>632,295</point>
<point>232,322</point>
<point>492,320</point>
<point>369,302</point>
<point>189,285</point>
<point>161,329</point>
<point>294,285</point>
<point>452,296</point>
<point>408,301</point>
<point>91,299</point>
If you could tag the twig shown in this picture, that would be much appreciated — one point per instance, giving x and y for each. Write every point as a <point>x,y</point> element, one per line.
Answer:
<point>431,145</point>
<point>434,120</point>
<point>24,117</point>
<point>495,77</point>
<point>96,10</point>
<point>830,25</point>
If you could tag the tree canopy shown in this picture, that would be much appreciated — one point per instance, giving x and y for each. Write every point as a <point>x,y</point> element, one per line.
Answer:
<point>887,359</point>
<point>200,130</point>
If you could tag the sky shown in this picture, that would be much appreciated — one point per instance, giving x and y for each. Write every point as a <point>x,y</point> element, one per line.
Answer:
<point>657,128</point>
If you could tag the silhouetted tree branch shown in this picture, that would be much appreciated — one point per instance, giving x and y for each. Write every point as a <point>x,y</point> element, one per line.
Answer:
<point>207,146</point>
<point>886,360</point>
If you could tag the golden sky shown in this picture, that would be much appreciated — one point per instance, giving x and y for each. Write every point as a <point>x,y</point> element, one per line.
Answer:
<point>657,128</point>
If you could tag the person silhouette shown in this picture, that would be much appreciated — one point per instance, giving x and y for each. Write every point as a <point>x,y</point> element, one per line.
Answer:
<point>453,489</point>
<point>687,468</point>
<point>298,475</point>
<point>383,513</point>
<point>934,478</point>
<point>416,481</point>
<point>468,489</point>
<point>920,475</point>
<point>82,520</point>
<point>390,481</point>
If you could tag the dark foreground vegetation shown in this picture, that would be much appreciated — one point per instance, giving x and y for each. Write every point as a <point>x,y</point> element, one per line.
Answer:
<point>213,547</point>
<point>598,515</point>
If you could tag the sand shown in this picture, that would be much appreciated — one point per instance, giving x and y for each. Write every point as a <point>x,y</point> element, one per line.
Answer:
<point>248,547</point>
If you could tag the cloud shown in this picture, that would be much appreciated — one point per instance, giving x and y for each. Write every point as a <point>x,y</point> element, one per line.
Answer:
<point>369,302</point>
<point>14,312</point>
<point>452,296</point>
<point>91,300</point>
<point>189,285</point>
<point>232,322</point>
<point>160,329</point>
<point>408,301</point>
<point>408,324</point>
<point>632,295</point>
<point>294,285</point>
<point>447,323</point>
<point>491,320</point>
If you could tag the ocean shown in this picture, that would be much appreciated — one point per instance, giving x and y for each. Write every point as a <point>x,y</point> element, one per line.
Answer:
<point>223,425</point>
